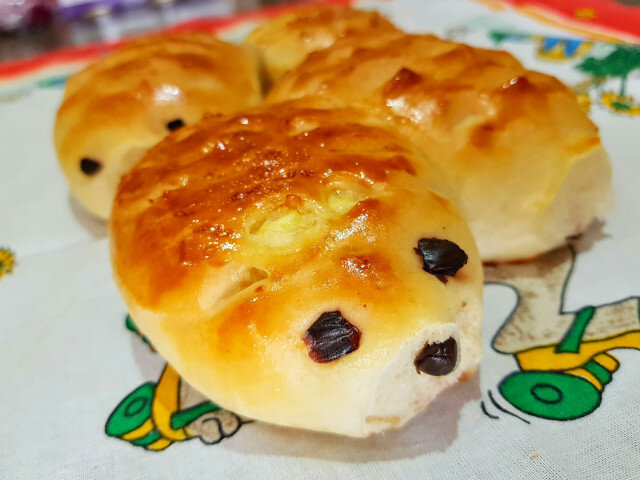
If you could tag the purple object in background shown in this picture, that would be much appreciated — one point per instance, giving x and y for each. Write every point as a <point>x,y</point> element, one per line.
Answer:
<point>79,10</point>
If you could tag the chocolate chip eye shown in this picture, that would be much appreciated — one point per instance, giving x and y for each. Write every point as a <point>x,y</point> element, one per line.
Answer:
<point>440,257</point>
<point>330,337</point>
<point>90,166</point>
<point>175,124</point>
<point>437,358</point>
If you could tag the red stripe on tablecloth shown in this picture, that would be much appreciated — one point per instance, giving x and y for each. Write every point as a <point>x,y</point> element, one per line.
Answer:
<point>12,70</point>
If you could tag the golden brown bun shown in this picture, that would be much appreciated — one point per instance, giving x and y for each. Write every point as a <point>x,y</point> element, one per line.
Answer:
<point>231,237</point>
<point>286,40</point>
<point>117,108</point>
<point>523,157</point>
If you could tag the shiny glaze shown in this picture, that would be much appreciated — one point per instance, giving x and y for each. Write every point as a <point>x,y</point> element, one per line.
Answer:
<point>232,237</point>
<point>436,84</point>
<point>118,107</point>
<point>197,198</point>
<point>287,39</point>
<point>505,137</point>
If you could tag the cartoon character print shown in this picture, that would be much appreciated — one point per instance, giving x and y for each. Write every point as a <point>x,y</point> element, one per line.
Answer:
<point>563,356</point>
<point>564,359</point>
<point>155,415</point>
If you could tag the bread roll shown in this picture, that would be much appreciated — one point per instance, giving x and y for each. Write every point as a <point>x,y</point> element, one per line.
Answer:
<point>117,108</point>
<point>286,40</point>
<point>300,266</point>
<point>525,160</point>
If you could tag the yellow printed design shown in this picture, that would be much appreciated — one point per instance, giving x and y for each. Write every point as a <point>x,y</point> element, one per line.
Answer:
<point>7,261</point>
<point>620,103</point>
<point>563,356</point>
<point>155,415</point>
<point>581,91</point>
<point>561,49</point>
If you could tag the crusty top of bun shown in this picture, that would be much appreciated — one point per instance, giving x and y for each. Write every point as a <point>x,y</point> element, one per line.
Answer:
<point>287,39</point>
<point>118,107</point>
<point>506,137</point>
<point>198,197</point>
<point>231,237</point>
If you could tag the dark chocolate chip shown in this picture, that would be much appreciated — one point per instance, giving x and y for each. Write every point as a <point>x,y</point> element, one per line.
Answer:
<point>440,257</point>
<point>90,166</point>
<point>437,358</point>
<point>175,124</point>
<point>330,337</point>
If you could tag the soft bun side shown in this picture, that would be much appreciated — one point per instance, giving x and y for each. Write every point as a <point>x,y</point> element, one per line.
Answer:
<point>120,106</point>
<point>300,265</point>
<point>525,160</point>
<point>286,40</point>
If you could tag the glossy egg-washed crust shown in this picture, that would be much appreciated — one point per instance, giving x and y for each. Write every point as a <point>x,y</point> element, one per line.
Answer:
<point>231,237</point>
<point>118,107</point>
<point>286,40</point>
<point>525,160</point>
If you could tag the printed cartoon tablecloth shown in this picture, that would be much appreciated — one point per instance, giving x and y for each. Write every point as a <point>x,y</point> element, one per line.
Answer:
<point>84,395</point>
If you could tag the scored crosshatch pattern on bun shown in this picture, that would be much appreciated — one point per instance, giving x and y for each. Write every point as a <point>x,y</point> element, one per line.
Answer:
<point>286,40</point>
<point>300,265</point>
<point>120,106</point>
<point>526,162</point>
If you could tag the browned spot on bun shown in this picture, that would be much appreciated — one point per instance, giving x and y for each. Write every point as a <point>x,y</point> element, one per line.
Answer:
<point>370,268</point>
<point>482,136</point>
<point>441,200</point>
<point>508,140</point>
<point>585,144</point>
<point>268,256</point>
<point>200,195</point>
<point>401,81</point>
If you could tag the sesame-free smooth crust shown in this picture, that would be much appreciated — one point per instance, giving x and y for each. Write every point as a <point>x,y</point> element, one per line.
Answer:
<point>124,103</point>
<point>233,236</point>
<point>525,160</point>
<point>286,40</point>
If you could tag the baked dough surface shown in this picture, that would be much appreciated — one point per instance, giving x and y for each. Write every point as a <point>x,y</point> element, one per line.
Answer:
<point>286,40</point>
<point>524,159</point>
<point>120,106</point>
<point>231,237</point>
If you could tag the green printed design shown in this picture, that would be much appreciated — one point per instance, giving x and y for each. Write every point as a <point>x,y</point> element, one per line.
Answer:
<point>184,417</point>
<point>573,337</point>
<point>499,37</point>
<point>623,60</point>
<point>151,437</point>
<point>52,82</point>
<point>602,374</point>
<point>132,327</point>
<point>132,412</point>
<point>550,395</point>
<point>618,64</point>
